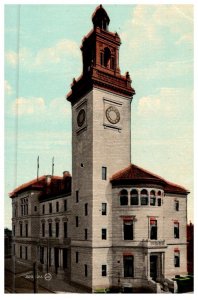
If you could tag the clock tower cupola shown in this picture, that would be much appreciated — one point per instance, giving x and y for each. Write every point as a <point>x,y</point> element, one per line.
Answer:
<point>100,55</point>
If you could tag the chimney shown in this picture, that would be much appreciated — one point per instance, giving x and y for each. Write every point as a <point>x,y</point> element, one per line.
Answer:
<point>66,174</point>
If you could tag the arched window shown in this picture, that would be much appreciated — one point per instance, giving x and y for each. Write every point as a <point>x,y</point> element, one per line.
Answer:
<point>144,197</point>
<point>134,197</point>
<point>107,57</point>
<point>152,198</point>
<point>159,199</point>
<point>123,197</point>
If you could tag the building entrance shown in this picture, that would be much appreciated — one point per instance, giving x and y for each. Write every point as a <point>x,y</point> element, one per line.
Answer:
<point>153,266</point>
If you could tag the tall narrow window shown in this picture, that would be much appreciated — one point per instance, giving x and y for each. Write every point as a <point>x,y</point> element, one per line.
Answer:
<point>65,204</point>
<point>13,230</point>
<point>42,255</point>
<point>124,197</point>
<point>128,263</point>
<point>65,229</point>
<point>104,234</point>
<point>21,229</point>
<point>57,206</point>
<point>43,209</point>
<point>26,229</point>
<point>102,58</point>
<point>104,173</point>
<point>50,229</point>
<point>86,209</point>
<point>107,57</point>
<point>152,198</point>
<point>128,230</point>
<point>176,230</point>
<point>20,251</point>
<point>104,270</point>
<point>77,256</point>
<point>76,221</point>
<point>153,229</point>
<point>57,229</point>
<point>86,271</point>
<point>134,197</point>
<point>144,197</point>
<point>43,229</point>
<point>86,234</point>
<point>104,209</point>
<point>177,205</point>
<point>177,258</point>
<point>159,199</point>
<point>77,196</point>
<point>50,208</point>
<point>26,253</point>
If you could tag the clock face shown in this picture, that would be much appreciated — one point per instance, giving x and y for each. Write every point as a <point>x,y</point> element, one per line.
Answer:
<point>113,115</point>
<point>81,117</point>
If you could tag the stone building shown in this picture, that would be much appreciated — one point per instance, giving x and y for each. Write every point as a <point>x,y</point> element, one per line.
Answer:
<point>115,224</point>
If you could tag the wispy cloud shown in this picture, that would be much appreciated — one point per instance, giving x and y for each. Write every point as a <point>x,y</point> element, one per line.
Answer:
<point>43,57</point>
<point>8,88</point>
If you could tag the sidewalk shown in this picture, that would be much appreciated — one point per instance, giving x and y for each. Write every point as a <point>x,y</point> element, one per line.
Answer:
<point>57,285</point>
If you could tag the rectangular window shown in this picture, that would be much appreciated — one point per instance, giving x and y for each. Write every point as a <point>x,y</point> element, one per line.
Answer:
<point>76,221</point>
<point>20,251</point>
<point>177,259</point>
<point>86,209</point>
<point>57,206</point>
<point>176,230</point>
<point>159,201</point>
<point>65,230</point>
<point>177,205</point>
<point>104,270</point>
<point>50,208</point>
<point>128,230</point>
<point>104,173</point>
<point>26,209</point>
<point>104,234</point>
<point>77,256</point>
<point>153,229</point>
<point>13,230</point>
<point>21,229</point>
<point>42,255</point>
<point>43,229</point>
<point>104,209</point>
<point>14,249</point>
<point>50,229</point>
<point>57,229</point>
<point>128,266</point>
<point>86,233</point>
<point>43,209</point>
<point>77,196</point>
<point>26,229</point>
<point>26,253</point>
<point>35,208</point>
<point>86,272</point>
<point>65,204</point>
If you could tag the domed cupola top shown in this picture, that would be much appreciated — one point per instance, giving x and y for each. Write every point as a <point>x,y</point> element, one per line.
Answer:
<point>100,18</point>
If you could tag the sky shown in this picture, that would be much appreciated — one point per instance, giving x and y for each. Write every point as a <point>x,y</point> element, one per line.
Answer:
<point>42,56</point>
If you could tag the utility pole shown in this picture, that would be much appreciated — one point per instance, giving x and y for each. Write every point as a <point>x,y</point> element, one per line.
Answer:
<point>35,282</point>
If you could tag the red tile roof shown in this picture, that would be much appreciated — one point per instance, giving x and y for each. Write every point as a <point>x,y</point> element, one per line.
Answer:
<point>37,183</point>
<point>135,173</point>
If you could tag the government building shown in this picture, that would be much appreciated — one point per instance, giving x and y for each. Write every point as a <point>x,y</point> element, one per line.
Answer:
<point>111,224</point>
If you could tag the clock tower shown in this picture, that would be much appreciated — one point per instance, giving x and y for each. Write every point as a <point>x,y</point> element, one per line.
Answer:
<point>101,145</point>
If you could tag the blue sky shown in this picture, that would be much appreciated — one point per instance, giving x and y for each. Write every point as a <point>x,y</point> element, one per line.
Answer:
<point>157,50</point>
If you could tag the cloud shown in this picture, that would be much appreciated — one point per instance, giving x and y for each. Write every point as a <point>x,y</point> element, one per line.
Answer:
<point>168,102</point>
<point>8,88</point>
<point>28,106</point>
<point>43,57</point>
<point>152,30</point>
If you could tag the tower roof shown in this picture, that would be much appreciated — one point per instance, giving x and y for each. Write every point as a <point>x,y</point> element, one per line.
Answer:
<point>100,18</point>
<point>134,174</point>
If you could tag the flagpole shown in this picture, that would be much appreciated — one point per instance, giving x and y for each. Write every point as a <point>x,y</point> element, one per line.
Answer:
<point>37,167</point>
<point>52,166</point>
